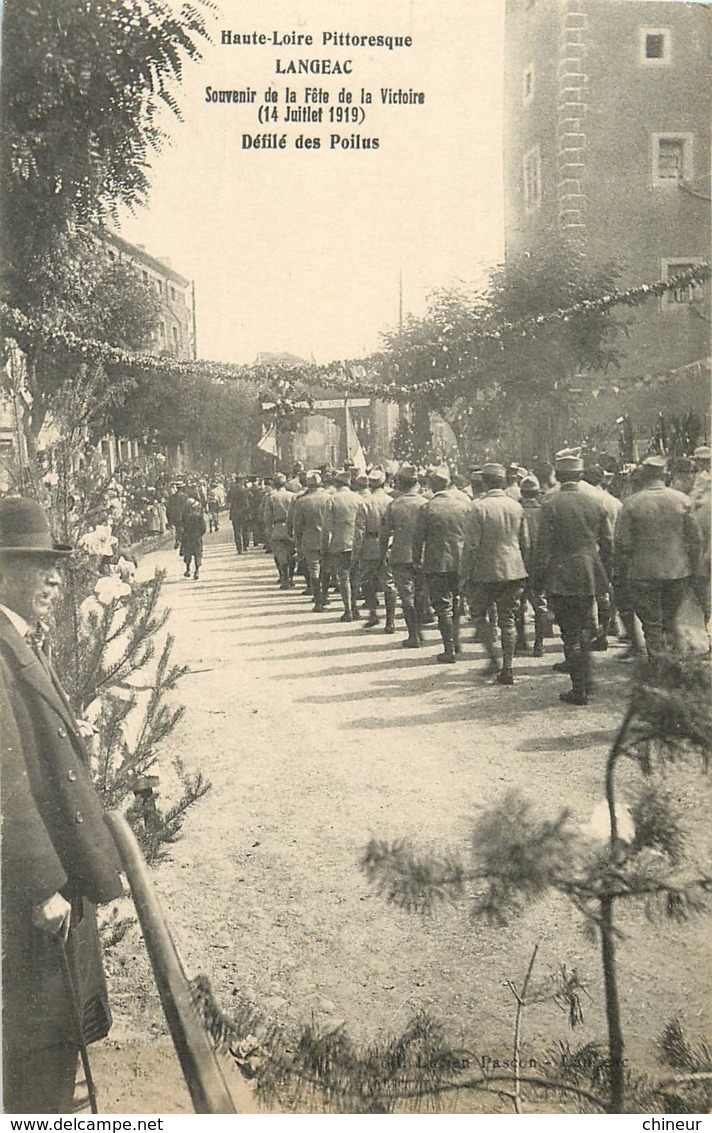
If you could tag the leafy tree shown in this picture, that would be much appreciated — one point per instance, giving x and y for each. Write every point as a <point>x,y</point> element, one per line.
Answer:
<point>83,86</point>
<point>493,373</point>
<point>90,297</point>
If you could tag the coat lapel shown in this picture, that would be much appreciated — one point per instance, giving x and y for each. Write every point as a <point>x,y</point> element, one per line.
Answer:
<point>33,673</point>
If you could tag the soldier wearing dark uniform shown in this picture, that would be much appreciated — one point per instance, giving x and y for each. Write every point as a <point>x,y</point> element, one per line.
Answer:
<point>658,543</point>
<point>58,859</point>
<point>573,562</point>
<point>238,503</point>
<point>397,535</point>
<point>437,547</point>
<point>493,570</point>
<point>375,574</point>
<point>175,506</point>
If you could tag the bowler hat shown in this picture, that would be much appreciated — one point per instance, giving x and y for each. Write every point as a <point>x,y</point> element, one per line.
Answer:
<point>377,475</point>
<point>24,529</point>
<point>279,479</point>
<point>313,476</point>
<point>343,476</point>
<point>361,481</point>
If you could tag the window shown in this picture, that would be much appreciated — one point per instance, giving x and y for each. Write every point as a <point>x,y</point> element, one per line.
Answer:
<point>680,297</point>
<point>173,294</point>
<point>144,276</point>
<point>175,336</point>
<point>532,179</point>
<point>528,84</point>
<point>162,331</point>
<point>672,158</point>
<point>655,46</point>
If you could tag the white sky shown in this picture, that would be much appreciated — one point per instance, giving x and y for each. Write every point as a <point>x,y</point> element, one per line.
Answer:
<point>301,251</point>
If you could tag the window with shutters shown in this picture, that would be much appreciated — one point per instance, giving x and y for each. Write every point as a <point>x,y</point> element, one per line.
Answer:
<point>532,179</point>
<point>672,158</point>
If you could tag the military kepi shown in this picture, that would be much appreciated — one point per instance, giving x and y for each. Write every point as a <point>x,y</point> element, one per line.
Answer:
<point>655,460</point>
<point>24,529</point>
<point>496,471</point>
<point>568,460</point>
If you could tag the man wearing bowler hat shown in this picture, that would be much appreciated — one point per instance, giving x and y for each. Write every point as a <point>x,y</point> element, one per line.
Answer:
<point>573,562</point>
<point>58,859</point>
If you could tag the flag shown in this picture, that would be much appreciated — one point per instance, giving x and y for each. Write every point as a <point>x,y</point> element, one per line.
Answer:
<point>354,450</point>
<point>268,442</point>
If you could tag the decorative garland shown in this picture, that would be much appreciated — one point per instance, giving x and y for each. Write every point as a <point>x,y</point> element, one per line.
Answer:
<point>350,377</point>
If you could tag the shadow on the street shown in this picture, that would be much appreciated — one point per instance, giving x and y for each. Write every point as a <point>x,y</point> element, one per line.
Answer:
<point>397,662</point>
<point>495,705</point>
<point>574,741</point>
<point>359,645</point>
<point>387,690</point>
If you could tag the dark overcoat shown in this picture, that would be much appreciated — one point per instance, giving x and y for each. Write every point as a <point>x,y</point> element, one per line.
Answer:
<point>574,550</point>
<point>440,532</point>
<point>54,839</point>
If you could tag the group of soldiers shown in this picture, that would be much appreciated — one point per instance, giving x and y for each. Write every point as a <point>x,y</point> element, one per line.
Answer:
<point>572,550</point>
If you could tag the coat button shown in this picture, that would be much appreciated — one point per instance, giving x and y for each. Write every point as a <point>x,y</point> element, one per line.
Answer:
<point>79,818</point>
<point>72,775</point>
<point>62,732</point>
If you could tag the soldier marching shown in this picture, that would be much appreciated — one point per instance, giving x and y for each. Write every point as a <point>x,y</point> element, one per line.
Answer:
<point>566,547</point>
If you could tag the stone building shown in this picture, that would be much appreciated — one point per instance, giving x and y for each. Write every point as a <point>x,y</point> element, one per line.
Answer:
<point>176,333</point>
<point>176,294</point>
<point>607,141</point>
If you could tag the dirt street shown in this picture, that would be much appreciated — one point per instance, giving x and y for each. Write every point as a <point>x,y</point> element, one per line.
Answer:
<point>317,735</point>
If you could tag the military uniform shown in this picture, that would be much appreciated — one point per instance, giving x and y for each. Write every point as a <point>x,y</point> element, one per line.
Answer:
<point>658,543</point>
<point>307,524</point>
<point>532,594</point>
<point>338,538</point>
<point>278,507</point>
<point>239,505</point>
<point>493,569</point>
<point>375,574</point>
<point>437,546</point>
<point>573,562</point>
<point>397,535</point>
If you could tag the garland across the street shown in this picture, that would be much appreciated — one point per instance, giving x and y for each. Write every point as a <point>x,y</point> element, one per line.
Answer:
<point>351,377</point>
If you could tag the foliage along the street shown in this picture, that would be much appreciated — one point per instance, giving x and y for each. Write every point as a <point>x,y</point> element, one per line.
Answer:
<point>110,644</point>
<point>87,88</point>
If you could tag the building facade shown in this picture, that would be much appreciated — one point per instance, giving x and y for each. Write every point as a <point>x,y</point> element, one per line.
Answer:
<point>175,335</point>
<point>607,142</point>
<point>176,294</point>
